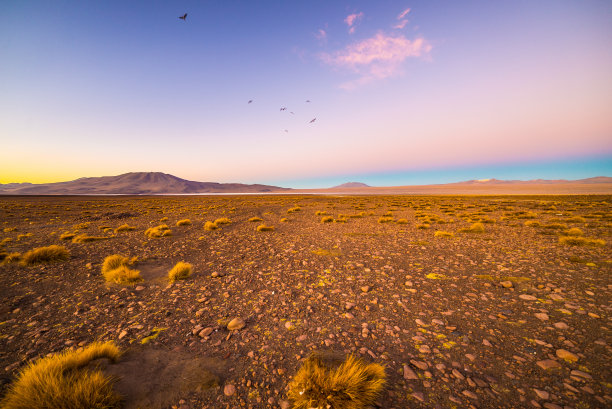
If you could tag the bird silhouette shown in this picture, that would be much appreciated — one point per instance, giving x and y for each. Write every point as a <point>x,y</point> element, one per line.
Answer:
<point>312,120</point>
<point>183,17</point>
<point>283,109</point>
<point>292,113</point>
<point>286,131</point>
<point>307,100</point>
<point>250,100</point>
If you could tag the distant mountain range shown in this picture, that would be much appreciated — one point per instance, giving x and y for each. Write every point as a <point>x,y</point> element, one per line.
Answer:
<point>351,184</point>
<point>147,183</point>
<point>136,183</point>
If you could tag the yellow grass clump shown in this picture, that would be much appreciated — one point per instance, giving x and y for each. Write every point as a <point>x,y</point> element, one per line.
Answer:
<point>321,213</point>
<point>11,258</point>
<point>158,231</point>
<point>67,236</point>
<point>124,227</point>
<point>210,226</point>
<point>474,228</point>
<point>222,220</point>
<point>47,254</point>
<point>532,223</point>
<point>441,233</point>
<point>327,219</point>
<point>256,219</point>
<point>63,381</point>
<point>180,271</point>
<point>385,219</point>
<point>423,226</point>
<point>574,231</point>
<point>263,227</point>
<point>284,220</point>
<point>184,222</point>
<point>581,241</point>
<point>353,384</point>
<point>294,209</point>
<point>116,269</point>
<point>402,221</point>
<point>84,238</point>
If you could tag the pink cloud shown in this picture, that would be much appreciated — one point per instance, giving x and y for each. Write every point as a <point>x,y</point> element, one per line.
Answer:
<point>403,14</point>
<point>352,19</point>
<point>321,34</point>
<point>401,24</point>
<point>377,57</point>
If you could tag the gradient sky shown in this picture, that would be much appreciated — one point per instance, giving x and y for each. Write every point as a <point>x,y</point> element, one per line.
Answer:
<point>403,92</point>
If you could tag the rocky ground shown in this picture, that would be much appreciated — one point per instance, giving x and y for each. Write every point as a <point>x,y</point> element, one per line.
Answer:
<point>506,318</point>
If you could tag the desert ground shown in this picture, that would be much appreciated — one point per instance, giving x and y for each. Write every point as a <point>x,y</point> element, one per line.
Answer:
<point>467,301</point>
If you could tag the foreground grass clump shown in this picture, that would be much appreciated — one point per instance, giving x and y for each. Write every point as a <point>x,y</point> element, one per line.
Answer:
<point>67,236</point>
<point>116,269</point>
<point>294,209</point>
<point>256,219</point>
<point>222,220</point>
<point>48,254</point>
<point>327,219</point>
<point>441,233</point>
<point>210,226</point>
<point>574,231</point>
<point>62,381</point>
<point>84,238</point>
<point>124,227</point>
<point>158,231</point>
<point>474,228</point>
<point>184,222</point>
<point>180,271</point>
<point>263,227</point>
<point>353,384</point>
<point>581,241</point>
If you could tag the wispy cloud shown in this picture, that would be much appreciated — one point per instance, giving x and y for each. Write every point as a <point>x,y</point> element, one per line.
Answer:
<point>378,57</point>
<point>321,35</point>
<point>403,14</point>
<point>401,24</point>
<point>352,19</point>
<point>402,21</point>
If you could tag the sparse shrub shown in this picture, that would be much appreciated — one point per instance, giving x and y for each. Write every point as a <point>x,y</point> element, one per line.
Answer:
<point>163,219</point>
<point>327,219</point>
<point>116,269</point>
<point>158,231</point>
<point>294,209</point>
<point>180,271</point>
<point>256,219</point>
<point>184,222</point>
<point>263,227</point>
<point>67,236</point>
<point>402,221</point>
<point>63,381</point>
<point>12,258</point>
<point>321,213</point>
<point>84,238</point>
<point>423,226</point>
<point>222,220</point>
<point>474,228</point>
<point>48,254</point>
<point>284,220</point>
<point>532,223</point>
<point>124,227</point>
<point>574,231</point>
<point>353,384</point>
<point>441,233</point>
<point>576,219</point>
<point>555,226</point>
<point>385,219</point>
<point>581,241</point>
<point>210,226</point>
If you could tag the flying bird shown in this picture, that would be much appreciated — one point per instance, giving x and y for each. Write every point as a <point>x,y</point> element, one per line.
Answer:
<point>183,17</point>
<point>312,120</point>
<point>307,100</point>
<point>292,113</point>
<point>286,131</point>
<point>250,100</point>
<point>283,109</point>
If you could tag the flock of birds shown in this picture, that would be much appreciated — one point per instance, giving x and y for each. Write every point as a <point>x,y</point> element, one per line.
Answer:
<point>184,18</point>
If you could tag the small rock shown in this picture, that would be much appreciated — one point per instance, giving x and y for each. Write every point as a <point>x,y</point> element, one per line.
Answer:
<point>139,288</point>
<point>527,297</point>
<point>289,325</point>
<point>506,284</point>
<point>301,338</point>
<point>581,374</point>
<point>409,373</point>
<point>205,332</point>
<point>229,389</point>
<point>349,306</point>
<point>567,355</point>
<point>236,324</point>
<point>284,404</point>
<point>122,334</point>
<point>458,374</point>
<point>420,364</point>
<point>541,316</point>
<point>548,364</point>
<point>469,394</point>
<point>560,325</point>
<point>542,394</point>
<point>366,288</point>
<point>418,396</point>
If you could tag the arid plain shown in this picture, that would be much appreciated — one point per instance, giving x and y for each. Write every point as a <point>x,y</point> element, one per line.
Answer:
<point>467,301</point>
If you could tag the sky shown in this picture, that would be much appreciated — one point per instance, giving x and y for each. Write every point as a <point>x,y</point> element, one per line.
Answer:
<point>401,92</point>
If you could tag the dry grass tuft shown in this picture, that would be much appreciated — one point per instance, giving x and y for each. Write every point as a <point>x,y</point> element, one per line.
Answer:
<point>67,236</point>
<point>385,219</point>
<point>402,221</point>
<point>327,219</point>
<point>294,209</point>
<point>574,231</point>
<point>158,231</point>
<point>441,233</point>
<point>11,258</point>
<point>321,213</point>
<point>116,269</point>
<point>263,227</point>
<point>84,238</point>
<point>581,241</point>
<point>180,271</point>
<point>256,219</point>
<point>353,384</point>
<point>210,226</point>
<point>184,222</point>
<point>48,254</point>
<point>532,223</point>
<point>222,220</point>
<point>474,228</point>
<point>284,220</point>
<point>63,381</point>
<point>423,226</point>
<point>124,227</point>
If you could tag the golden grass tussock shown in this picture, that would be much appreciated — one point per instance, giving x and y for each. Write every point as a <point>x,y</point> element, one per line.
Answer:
<point>354,384</point>
<point>63,381</point>
<point>576,219</point>
<point>184,222</point>
<point>294,209</point>
<point>116,269</point>
<point>402,221</point>
<point>532,223</point>
<point>11,258</point>
<point>158,231</point>
<point>84,238</point>
<point>327,219</point>
<point>256,219</point>
<point>423,226</point>
<point>441,233</point>
<point>124,227</point>
<point>574,231</point>
<point>67,236</point>
<point>180,271</point>
<point>581,241</point>
<point>210,226</point>
<point>284,220</point>
<point>321,213</point>
<point>555,226</point>
<point>474,228</point>
<point>385,219</point>
<point>47,254</point>
<point>263,227</point>
<point>222,220</point>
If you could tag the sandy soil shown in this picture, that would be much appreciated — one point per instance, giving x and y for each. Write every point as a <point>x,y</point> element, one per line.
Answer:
<point>506,318</point>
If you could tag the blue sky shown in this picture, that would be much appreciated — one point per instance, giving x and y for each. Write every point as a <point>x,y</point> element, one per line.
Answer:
<point>403,92</point>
